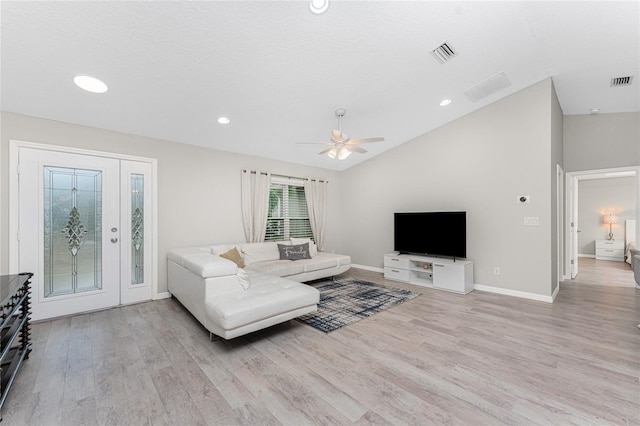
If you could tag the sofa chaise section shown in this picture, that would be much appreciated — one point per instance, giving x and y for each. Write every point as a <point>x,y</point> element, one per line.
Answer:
<point>230,301</point>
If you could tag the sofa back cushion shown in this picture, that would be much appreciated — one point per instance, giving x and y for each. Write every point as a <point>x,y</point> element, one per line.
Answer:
<point>259,252</point>
<point>313,250</point>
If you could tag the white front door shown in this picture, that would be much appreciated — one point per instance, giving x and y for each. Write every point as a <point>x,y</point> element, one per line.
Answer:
<point>71,210</point>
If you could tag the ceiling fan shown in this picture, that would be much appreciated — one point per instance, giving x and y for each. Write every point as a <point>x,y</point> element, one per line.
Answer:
<point>340,145</point>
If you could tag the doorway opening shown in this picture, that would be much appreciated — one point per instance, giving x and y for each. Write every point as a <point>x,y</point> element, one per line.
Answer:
<point>599,201</point>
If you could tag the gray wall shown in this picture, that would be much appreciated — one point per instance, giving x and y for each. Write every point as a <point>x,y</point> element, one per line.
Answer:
<point>479,163</point>
<point>601,141</point>
<point>556,158</point>
<point>597,197</point>
<point>199,189</point>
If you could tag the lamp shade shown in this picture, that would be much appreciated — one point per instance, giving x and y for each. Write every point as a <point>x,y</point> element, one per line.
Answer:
<point>609,219</point>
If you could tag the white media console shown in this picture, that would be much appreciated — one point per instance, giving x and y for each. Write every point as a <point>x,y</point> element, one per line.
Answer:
<point>434,272</point>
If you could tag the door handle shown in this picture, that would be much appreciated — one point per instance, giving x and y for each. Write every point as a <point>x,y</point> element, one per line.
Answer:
<point>114,240</point>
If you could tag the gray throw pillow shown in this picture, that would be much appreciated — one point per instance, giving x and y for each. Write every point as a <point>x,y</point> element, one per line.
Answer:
<point>294,252</point>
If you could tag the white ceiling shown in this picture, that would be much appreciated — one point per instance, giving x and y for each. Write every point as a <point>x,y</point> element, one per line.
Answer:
<point>279,71</point>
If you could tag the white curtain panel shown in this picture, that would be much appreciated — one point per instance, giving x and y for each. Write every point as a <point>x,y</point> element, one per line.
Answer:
<point>315,192</point>
<point>255,204</point>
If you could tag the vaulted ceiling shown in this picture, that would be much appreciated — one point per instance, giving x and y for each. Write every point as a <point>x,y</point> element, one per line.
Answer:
<point>279,71</point>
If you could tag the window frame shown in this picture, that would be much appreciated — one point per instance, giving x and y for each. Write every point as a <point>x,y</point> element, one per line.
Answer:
<point>284,184</point>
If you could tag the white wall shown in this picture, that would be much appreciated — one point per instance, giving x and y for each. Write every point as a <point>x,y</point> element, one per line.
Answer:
<point>556,158</point>
<point>199,188</point>
<point>479,163</point>
<point>601,141</point>
<point>597,197</point>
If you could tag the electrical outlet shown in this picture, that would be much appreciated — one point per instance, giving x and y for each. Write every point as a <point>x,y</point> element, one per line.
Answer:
<point>496,270</point>
<point>532,221</point>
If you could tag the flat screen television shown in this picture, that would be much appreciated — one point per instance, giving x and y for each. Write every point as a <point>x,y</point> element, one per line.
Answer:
<point>431,233</point>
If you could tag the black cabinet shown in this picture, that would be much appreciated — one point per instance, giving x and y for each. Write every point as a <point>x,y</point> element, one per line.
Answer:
<point>14,333</point>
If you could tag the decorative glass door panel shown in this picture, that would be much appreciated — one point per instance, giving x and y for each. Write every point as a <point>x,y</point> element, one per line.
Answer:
<point>137,229</point>
<point>69,230</point>
<point>136,272</point>
<point>72,230</point>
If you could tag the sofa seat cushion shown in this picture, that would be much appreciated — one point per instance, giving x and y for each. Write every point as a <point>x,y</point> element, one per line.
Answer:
<point>286,268</point>
<point>282,268</point>
<point>268,296</point>
<point>317,263</point>
<point>341,259</point>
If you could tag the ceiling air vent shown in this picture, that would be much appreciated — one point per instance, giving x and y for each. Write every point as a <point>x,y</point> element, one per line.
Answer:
<point>444,53</point>
<point>487,87</point>
<point>621,81</point>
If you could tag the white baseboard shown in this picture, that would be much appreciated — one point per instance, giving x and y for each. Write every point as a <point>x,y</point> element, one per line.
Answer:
<point>555,292</point>
<point>163,295</point>
<point>367,268</point>
<point>590,256</point>
<point>515,293</point>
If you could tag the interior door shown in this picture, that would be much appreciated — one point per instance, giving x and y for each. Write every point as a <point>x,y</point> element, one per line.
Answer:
<point>574,227</point>
<point>69,221</point>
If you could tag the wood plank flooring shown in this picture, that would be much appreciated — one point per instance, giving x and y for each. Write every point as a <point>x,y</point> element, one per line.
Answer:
<point>441,358</point>
<point>604,273</point>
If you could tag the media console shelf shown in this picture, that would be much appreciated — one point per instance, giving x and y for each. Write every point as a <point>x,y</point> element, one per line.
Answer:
<point>433,272</point>
<point>14,329</point>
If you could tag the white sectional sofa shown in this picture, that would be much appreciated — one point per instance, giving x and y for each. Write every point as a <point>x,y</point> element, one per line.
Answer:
<point>230,301</point>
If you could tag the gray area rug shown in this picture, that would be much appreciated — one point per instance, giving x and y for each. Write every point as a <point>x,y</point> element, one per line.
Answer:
<point>347,301</point>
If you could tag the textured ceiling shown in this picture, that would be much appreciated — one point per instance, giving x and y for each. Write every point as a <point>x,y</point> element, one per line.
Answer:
<point>279,71</point>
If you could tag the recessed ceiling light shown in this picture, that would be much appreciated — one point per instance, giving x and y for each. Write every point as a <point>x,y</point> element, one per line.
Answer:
<point>318,6</point>
<point>224,120</point>
<point>445,102</point>
<point>90,84</point>
<point>594,110</point>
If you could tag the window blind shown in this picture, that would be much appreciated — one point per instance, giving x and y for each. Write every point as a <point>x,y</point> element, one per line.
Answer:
<point>288,215</point>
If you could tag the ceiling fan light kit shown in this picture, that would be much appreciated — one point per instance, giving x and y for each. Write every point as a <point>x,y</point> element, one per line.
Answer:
<point>341,146</point>
<point>340,153</point>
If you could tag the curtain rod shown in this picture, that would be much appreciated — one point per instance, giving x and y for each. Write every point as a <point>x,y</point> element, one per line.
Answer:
<point>285,176</point>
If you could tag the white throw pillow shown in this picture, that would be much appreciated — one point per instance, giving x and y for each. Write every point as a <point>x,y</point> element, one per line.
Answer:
<point>313,249</point>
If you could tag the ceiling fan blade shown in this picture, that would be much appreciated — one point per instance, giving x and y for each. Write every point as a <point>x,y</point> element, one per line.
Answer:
<point>336,135</point>
<point>325,151</point>
<point>315,143</point>
<point>366,140</point>
<point>354,148</point>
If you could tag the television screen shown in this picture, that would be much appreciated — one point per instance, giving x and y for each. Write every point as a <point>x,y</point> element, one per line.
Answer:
<point>431,233</point>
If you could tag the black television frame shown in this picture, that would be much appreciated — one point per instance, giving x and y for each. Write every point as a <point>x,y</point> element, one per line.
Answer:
<point>430,233</point>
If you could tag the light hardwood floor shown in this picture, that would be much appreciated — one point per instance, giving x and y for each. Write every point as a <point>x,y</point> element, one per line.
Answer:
<point>441,358</point>
<point>604,273</point>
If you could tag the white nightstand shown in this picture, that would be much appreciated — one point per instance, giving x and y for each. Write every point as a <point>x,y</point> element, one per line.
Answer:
<point>610,250</point>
